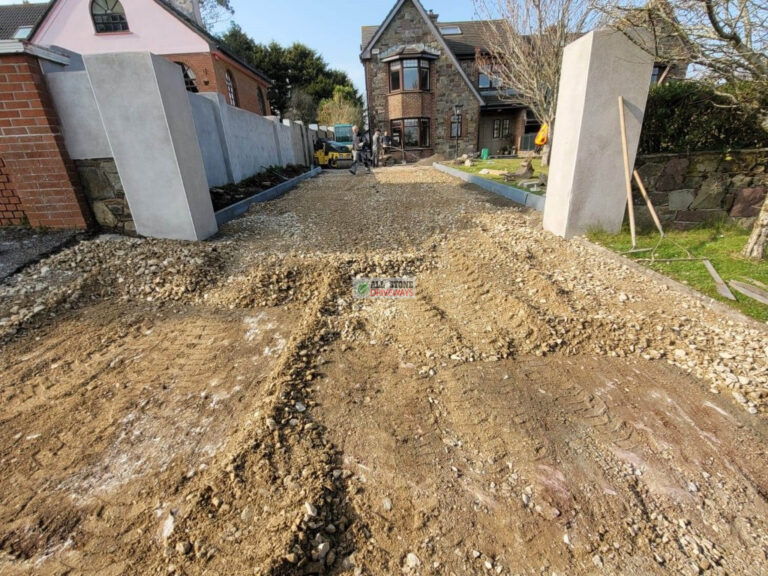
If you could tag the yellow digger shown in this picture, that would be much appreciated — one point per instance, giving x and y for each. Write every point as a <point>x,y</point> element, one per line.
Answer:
<point>331,155</point>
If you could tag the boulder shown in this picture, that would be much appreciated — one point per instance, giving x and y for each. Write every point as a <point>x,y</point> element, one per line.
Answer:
<point>103,214</point>
<point>748,202</point>
<point>681,199</point>
<point>673,175</point>
<point>701,216</point>
<point>649,173</point>
<point>712,192</point>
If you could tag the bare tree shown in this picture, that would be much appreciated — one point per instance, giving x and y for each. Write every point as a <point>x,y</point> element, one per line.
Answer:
<point>524,48</point>
<point>215,12</point>
<point>725,40</point>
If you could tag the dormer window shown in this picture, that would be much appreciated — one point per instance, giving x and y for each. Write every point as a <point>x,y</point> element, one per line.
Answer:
<point>450,30</point>
<point>410,75</point>
<point>22,33</point>
<point>108,16</point>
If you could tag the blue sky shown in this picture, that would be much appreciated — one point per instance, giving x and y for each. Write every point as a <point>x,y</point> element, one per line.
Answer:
<point>331,27</point>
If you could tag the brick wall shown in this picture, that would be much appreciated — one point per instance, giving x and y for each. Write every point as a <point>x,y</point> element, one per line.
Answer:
<point>11,213</point>
<point>36,164</point>
<point>211,77</point>
<point>246,87</point>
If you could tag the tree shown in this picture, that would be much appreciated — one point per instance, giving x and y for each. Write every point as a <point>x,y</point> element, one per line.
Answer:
<point>342,108</point>
<point>302,107</point>
<point>296,67</point>
<point>525,41</point>
<point>727,41</point>
<point>215,12</point>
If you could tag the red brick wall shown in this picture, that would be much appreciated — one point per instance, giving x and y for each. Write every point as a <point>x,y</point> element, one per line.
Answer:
<point>211,73</point>
<point>32,150</point>
<point>11,213</point>
<point>246,87</point>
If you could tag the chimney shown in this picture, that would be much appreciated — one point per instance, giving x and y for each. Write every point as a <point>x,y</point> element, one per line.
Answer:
<point>433,16</point>
<point>190,9</point>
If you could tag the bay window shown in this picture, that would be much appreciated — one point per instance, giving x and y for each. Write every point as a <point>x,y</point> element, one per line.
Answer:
<point>409,75</point>
<point>411,132</point>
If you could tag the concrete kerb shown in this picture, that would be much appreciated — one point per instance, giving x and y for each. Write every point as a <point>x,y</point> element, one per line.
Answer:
<point>231,212</point>
<point>515,194</point>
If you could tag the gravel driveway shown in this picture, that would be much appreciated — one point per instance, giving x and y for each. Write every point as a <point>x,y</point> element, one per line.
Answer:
<point>229,408</point>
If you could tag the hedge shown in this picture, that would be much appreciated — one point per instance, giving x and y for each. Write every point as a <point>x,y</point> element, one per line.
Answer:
<point>691,117</point>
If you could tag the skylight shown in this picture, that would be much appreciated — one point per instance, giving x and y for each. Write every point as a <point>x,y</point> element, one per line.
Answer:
<point>22,33</point>
<point>450,30</point>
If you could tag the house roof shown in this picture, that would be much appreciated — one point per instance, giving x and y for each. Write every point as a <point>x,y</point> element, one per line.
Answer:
<point>463,45</point>
<point>366,48</point>
<point>212,40</point>
<point>15,16</point>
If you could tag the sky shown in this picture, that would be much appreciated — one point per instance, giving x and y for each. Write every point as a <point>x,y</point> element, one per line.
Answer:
<point>332,27</point>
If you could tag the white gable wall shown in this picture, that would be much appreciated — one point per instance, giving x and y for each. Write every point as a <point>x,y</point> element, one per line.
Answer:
<point>152,27</point>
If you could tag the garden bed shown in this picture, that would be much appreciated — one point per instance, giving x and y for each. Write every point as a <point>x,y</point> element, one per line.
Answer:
<point>510,165</point>
<point>229,194</point>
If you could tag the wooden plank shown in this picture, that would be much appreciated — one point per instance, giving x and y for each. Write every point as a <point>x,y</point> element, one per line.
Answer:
<point>722,287</point>
<point>750,291</point>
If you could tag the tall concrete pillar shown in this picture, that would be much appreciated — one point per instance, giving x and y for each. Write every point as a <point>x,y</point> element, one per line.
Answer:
<point>586,188</point>
<point>148,120</point>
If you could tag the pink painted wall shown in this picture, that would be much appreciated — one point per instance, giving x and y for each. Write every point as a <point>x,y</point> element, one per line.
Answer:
<point>152,28</point>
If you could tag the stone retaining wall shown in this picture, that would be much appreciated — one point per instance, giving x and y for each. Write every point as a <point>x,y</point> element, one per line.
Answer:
<point>102,186</point>
<point>690,189</point>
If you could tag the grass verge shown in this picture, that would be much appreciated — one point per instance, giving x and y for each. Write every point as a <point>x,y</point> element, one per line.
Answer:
<point>510,165</point>
<point>722,245</point>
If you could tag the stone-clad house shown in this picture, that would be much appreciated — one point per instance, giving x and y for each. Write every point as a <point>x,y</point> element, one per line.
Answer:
<point>417,70</point>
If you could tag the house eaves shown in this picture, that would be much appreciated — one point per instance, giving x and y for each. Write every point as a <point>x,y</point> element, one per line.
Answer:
<point>367,54</point>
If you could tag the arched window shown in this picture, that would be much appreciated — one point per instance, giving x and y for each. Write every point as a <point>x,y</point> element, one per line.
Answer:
<point>231,90</point>
<point>262,102</point>
<point>108,16</point>
<point>190,80</point>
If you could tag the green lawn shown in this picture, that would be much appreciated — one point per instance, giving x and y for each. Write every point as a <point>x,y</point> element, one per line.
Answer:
<point>510,165</point>
<point>721,245</point>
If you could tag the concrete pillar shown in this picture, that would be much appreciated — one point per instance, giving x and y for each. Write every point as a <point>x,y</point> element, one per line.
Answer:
<point>149,125</point>
<point>586,187</point>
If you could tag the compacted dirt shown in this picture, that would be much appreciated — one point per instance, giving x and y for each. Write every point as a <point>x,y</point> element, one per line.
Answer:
<point>229,408</point>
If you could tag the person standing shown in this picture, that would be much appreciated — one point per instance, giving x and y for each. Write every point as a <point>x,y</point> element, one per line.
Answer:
<point>357,151</point>
<point>376,146</point>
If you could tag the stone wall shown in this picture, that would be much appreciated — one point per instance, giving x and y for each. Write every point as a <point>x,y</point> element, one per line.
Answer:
<point>690,189</point>
<point>101,184</point>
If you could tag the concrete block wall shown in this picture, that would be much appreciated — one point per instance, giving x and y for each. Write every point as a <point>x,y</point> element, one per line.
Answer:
<point>137,150</point>
<point>38,173</point>
<point>587,186</point>
<point>148,120</point>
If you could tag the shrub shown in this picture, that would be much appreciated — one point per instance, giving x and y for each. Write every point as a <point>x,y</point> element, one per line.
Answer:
<point>692,117</point>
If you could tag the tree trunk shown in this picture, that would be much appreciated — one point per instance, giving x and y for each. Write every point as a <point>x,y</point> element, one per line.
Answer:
<point>758,240</point>
<point>545,152</point>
